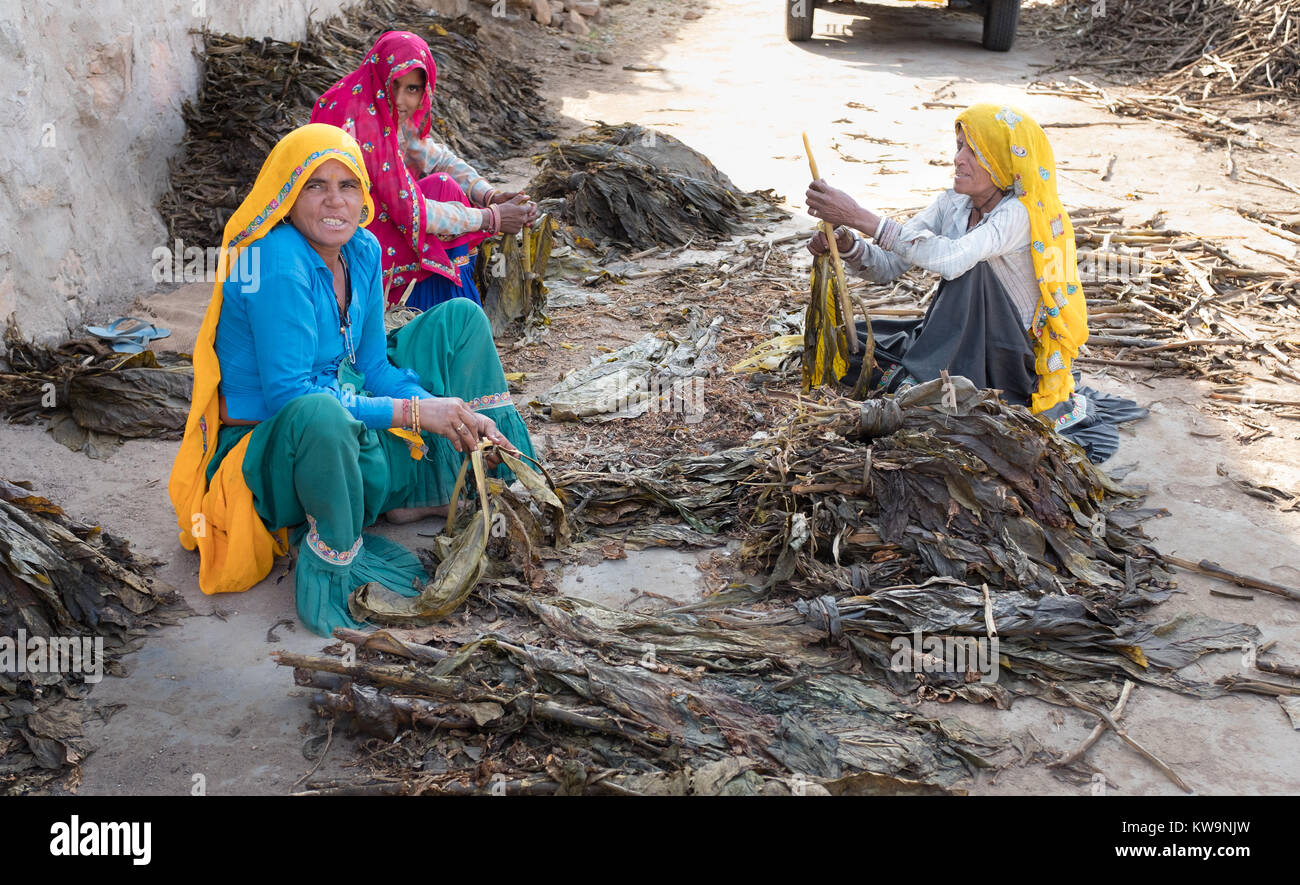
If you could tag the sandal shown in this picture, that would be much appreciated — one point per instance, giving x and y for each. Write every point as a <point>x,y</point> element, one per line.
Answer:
<point>129,334</point>
<point>126,345</point>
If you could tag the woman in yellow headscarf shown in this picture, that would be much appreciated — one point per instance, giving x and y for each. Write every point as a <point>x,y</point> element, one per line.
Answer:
<point>303,430</point>
<point>1010,313</point>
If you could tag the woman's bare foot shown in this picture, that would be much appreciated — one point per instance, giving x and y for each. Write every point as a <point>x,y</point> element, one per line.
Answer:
<point>403,515</point>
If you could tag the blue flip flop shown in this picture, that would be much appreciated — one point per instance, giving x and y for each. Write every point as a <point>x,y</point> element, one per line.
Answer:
<point>125,331</point>
<point>127,345</point>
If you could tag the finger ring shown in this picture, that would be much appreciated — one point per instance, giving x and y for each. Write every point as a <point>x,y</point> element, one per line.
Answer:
<point>460,426</point>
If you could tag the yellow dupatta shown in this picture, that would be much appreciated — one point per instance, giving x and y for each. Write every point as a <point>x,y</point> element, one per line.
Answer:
<point>235,548</point>
<point>1015,152</point>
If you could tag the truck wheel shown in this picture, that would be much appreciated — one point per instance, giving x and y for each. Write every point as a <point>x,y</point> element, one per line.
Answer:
<point>1000,20</point>
<point>798,20</point>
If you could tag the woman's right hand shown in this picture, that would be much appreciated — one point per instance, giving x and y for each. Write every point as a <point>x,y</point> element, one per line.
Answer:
<point>448,416</point>
<point>843,241</point>
<point>516,213</point>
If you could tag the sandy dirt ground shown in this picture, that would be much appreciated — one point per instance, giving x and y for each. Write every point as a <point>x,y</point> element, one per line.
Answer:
<point>205,698</point>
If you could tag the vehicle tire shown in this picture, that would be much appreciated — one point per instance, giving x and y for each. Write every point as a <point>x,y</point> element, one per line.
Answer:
<point>798,20</point>
<point>1000,20</point>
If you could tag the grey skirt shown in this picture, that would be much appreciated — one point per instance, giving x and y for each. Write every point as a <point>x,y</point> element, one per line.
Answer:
<point>972,329</point>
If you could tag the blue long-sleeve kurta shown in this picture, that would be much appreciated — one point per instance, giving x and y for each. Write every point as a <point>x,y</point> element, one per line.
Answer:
<point>278,337</point>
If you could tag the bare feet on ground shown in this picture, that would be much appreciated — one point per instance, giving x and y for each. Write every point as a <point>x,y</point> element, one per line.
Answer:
<point>404,515</point>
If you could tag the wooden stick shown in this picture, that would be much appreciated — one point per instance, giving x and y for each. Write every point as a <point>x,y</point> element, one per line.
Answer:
<point>360,790</point>
<point>846,306</point>
<point>1123,735</point>
<point>1274,667</point>
<point>1257,686</point>
<point>1123,364</point>
<point>391,675</point>
<point>989,625</point>
<point>1259,400</point>
<point>1193,342</point>
<point>1116,712</point>
<point>1284,185</point>
<point>329,738</point>
<point>1214,570</point>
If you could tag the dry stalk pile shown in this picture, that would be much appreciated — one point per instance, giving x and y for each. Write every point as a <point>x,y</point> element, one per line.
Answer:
<point>1171,301</point>
<point>1191,57</point>
<point>1196,48</point>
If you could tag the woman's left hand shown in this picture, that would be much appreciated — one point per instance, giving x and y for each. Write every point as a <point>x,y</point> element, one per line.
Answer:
<point>826,203</point>
<point>517,197</point>
<point>487,429</point>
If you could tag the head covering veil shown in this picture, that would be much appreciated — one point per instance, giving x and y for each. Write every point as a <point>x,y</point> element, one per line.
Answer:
<point>362,103</point>
<point>233,543</point>
<point>1015,152</point>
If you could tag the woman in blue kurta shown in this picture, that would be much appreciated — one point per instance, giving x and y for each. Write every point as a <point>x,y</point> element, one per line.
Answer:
<point>307,374</point>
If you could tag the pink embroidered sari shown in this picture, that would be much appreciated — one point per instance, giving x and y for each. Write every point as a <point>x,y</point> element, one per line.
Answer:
<point>362,103</point>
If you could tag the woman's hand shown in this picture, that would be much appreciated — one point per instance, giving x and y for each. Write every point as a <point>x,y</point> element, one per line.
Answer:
<point>487,429</point>
<point>843,241</point>
<point>506,196</point>
<point>515,213</point>
<point>826,203</point>
<point>450,417</point>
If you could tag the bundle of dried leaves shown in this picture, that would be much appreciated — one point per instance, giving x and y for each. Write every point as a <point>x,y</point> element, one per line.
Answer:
<point>95,398</point>
<point>640,188</point>
<point>68,587</point>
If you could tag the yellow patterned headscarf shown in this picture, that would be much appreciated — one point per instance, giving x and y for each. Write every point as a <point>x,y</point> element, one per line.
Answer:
<point>227,549</point>
<point>1015,152</point>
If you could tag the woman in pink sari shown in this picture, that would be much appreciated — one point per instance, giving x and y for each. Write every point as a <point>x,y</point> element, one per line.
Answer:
<point>432,209</point>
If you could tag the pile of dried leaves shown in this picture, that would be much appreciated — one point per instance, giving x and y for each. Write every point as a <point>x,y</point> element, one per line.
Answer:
<point>639,188</point>
<point>510,276</point>
<point>485,106</point>
<point>95,398</point>
<point>943,512</point>
<point>66,581</point>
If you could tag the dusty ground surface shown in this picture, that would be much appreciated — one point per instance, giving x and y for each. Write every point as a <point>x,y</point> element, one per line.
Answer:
<point>206,699</point>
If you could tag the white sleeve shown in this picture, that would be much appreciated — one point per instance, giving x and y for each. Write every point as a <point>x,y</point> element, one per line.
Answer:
<point>1003,233</point>
<point>872,263</point>
<point>875,264</point>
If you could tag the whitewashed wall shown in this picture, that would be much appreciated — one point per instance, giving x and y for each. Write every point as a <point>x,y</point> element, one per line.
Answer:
<point>90,98</point>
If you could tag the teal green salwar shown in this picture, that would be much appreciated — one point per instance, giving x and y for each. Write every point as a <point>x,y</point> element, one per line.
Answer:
<point>314,468</point>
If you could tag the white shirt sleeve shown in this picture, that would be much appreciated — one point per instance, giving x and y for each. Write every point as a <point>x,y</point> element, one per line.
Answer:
<point>872,263</point>
<point>877,265</point>
<point>1002,233</point>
